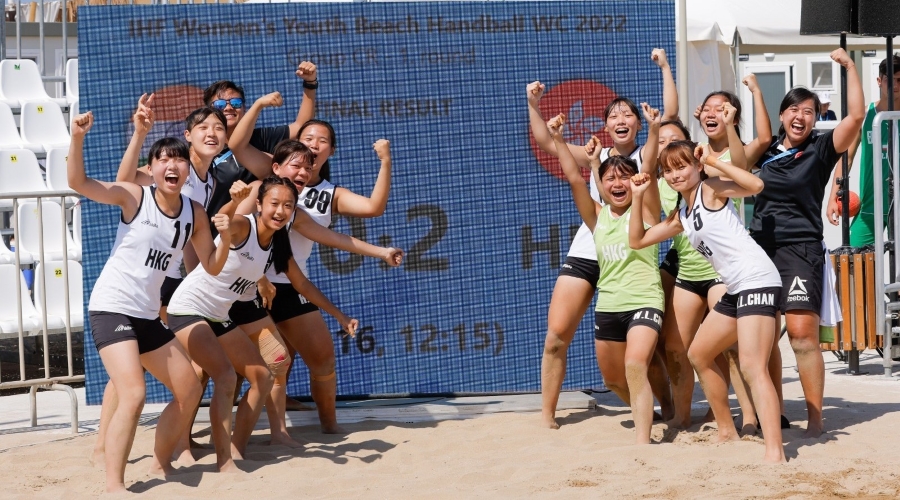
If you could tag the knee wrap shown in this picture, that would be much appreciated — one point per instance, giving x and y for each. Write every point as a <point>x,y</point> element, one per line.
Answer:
<point>274,353</point>
<point>323,378</point>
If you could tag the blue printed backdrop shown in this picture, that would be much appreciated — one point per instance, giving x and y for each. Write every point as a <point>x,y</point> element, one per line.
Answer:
<point>484,221</point>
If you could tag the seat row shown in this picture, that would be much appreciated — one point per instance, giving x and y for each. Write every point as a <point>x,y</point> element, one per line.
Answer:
<point>21,82</point>
<point>42,127</point>
<point>32,310</point>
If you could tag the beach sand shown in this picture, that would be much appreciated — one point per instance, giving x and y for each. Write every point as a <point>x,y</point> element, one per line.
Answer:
<point>508,455</point>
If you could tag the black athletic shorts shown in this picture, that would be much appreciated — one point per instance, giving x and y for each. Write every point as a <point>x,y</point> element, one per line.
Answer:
<point>700,288</point>
<point>670,263</point>
<point>109,328</point>
<point>246,312</point>
<point>614,326</point>
<point>586,269</point>
<point>168,289</point>
<point>754,302</point>
<point>289,304</point>
<point>178,323</point>
<point>800,267</point>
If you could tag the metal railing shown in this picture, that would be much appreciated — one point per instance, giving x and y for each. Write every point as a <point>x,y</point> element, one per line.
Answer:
<point>883,322</point>
<point>47,382</point>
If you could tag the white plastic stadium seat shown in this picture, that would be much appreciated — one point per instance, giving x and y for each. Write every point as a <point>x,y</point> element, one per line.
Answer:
<point>20,81</point>
<point>9,311</point>
<point>76,225</point>
<point>72,80</point>
<point>57,175</point>
<point>53,228</point>
<point>73,112</point>
<point>9,131</point>
<point>43,127</point>
<point>19,172</point>
<point>56,299</point>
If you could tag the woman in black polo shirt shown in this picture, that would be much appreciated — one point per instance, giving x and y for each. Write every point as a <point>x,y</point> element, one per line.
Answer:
<point>787,220</point>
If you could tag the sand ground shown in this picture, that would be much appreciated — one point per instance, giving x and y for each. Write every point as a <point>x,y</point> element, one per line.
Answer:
<point>497,453</point>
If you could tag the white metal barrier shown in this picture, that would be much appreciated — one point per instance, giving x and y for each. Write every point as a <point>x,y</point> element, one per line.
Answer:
<point>883,327</point>
<point>47,382</point>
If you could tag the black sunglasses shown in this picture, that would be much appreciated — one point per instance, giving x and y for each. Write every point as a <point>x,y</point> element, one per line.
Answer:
<point>235,102</point>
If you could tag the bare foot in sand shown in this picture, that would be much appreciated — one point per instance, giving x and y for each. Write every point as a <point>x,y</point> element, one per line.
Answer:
<point>158,469</point>
<point>184,458</point>
<point>726,436</point>
<point>775,459</point>
<point>286,440</point>
<point>230,467</point>
<point>97,459</point>
<point>333,429</point>
<point>549,422</point>
<point>678,423</point>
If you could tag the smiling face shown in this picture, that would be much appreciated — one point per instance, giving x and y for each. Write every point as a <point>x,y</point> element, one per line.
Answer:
<point>297,169</point>
<point>320,141</point>
<point>622,123</point>
<point>669,133</point>
<point>711,117</point>
<point>208,137</point>
<point>169,172</point>
<point>682,176</point>
<point>798,121</point>
<point>232,115</point>
<point>276,207</point>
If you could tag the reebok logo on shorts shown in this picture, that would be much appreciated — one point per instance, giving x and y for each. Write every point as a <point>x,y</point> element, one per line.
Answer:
<point>123,328</point>
<point>798,291</point>
<point>648,315</point>
<point>756,299</point>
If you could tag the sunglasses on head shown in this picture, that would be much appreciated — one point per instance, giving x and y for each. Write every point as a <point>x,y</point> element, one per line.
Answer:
<point>235,102</point>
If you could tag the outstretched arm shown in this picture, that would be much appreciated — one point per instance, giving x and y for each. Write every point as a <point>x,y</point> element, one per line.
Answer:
<point>305,225</point>
<point>308,72</point>
<point>586,205</point>
<point>649,153</point>
<point>229,227</point>
<point>347,202</point>
<point>258,163</point>
<point>755,148</point>
<point>143,120</point>
<point>313,294</point>
<point>122,194</point>
<point>535,91</point>
<point>846,130</point>
<point>638,236</point>
<point>670,90</point>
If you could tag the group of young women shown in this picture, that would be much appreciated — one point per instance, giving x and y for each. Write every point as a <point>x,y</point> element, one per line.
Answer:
<point>715,301</point>
<point>245,307</point>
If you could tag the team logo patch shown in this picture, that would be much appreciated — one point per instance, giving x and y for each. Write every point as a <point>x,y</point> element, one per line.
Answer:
<point>798,290</point>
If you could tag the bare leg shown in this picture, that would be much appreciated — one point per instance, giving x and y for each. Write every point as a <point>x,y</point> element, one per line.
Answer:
<point>680,324</point>
<point>755,337</point>
<point>309,335</point>
<point>107,409</point>
<point>803,331</point>
<point>122,363</point>
<point>571,298</point>
<point>182,453</point>
<point>246,359</point>
<point>611,360</point>
<point>749,423</point>
<point>716,333</point>
<point>204,349</point>
<point>171,366</point>
<point>638,351</point>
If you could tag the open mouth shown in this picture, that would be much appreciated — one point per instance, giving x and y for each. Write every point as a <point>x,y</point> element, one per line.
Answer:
<point>622,132</point>
<point>711,125</point>
<point>279,220</point>
<point>171,179</point>
<point>798,128</point>
<point>618,194</point>
<point>300,184</point>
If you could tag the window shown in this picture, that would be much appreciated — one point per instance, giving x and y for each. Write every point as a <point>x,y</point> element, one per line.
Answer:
<point>823,74</point>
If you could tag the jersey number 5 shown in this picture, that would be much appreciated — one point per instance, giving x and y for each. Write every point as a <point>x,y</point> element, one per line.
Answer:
<point>698,222</point>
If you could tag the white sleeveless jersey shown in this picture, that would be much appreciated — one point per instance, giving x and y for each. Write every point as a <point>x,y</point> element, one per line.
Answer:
<point>144,250</point>
<point>315,201</point>
<point>583,245</point>
<point>199,191</point>
<point>720,237</point>
<point>202,294</point>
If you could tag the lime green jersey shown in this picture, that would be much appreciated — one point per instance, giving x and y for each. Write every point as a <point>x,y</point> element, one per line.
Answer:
<point>629,279</point>
<point>862,230</point>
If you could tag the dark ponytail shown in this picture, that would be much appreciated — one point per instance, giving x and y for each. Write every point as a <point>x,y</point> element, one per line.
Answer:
<point>281,241</point>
